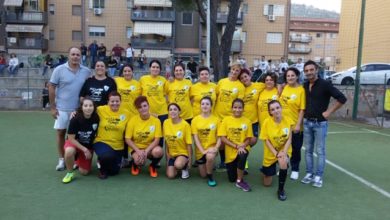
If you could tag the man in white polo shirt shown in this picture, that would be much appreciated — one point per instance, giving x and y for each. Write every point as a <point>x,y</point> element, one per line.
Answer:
<point>64,88</point>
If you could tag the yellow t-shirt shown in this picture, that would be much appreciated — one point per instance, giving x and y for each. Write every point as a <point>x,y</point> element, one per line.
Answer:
<point>177,137</point>
<point>262,105</point>
<point>178,92</point>
<point>129,91</point>
<point>200,90</point>
<point>143,132</point>
<point>112,126</point>
<point>236,130</point>
<point>227,91</point>
<point>277,134</point>
<point>206,129</point>
<point>292,100</point>
<point>251,98</point>
<point>154,89</point>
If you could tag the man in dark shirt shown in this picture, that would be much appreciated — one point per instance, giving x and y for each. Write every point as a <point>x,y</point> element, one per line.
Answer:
<point>192,66</point>
<point>84,50</point>
<point>318,93</point>
<point>93,52</point>
<point>102,52</point>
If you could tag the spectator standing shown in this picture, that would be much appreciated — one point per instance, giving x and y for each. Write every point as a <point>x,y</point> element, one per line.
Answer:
<point>45,96</point>
<point>13,65</point>
<point>84,52</point>
<point>102,52</point>
<point>142,60</point>
<point>118,50</point>
<point>93,52</point>
<point>48,63</point>
<point>321,68</point>
<point>193,67</point>
<point>168,69</point>
<point>129,54</point>
<point>263,65</point>
<point>112,65</point>
<point>178,60</point>
<point>3,63</point>
<point>299,66</point>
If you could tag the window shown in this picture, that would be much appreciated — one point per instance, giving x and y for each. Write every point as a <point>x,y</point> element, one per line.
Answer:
<point>318,35</point>
<point>274,38</point>
<point>98,3</point>
<point>129,32</point>
<point>277,10</point>
<point>52,9</point>
<point>96,31</point>
<point>318,46</point>
<point>243,36</point>
<point>186,18</point>
<point>52,35</point>
<point>270,9</point>
<point>382,67</point>
<point>77,35</point>
<point>129,4</point>
<point>76,10</point>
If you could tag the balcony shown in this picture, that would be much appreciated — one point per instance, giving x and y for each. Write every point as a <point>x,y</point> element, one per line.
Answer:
<point>301,39</point>
<point>153,3</point>
<point>153,15</point>
<point>26,18</point>
<point>299,50</point>
<point>154,43</point>
<point>222,18</point>
<point>27,43</point>
<point>236,45</point>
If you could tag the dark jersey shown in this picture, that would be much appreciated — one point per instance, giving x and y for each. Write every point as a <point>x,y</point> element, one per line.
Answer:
<point>84,129</point>
<point>98,90</point>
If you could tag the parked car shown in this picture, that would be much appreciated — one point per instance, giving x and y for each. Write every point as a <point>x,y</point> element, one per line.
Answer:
<point>328,75</point>
<point>371,73</point>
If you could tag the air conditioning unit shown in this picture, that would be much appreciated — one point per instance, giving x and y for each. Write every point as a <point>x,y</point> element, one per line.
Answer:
<point>97,11</point>
<point>271,17</point>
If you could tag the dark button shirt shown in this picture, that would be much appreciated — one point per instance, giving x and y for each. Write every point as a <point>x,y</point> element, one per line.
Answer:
<point>317,99</point>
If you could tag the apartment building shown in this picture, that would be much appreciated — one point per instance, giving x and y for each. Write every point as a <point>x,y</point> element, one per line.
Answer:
<point>376,43</point>
<point>315,39</point>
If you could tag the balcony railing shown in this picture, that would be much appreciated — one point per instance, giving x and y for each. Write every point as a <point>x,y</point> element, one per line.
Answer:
<point>26,18</point>
<point>299,50</point>
<point>222,18</point>
<point>27,43</point>
<point>153,15</point>
<point>236,45</point>
<point>164,43</point>
<point>301,39</point>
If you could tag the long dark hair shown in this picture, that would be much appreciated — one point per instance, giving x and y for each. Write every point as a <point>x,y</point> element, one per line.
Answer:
<point>79,112</point>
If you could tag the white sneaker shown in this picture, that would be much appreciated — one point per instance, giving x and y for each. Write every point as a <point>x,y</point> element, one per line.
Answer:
<point>294,175</point>
<point>317,182</point>
<point>307,179</point>
<point>185,174</point>
<point>61,164</point>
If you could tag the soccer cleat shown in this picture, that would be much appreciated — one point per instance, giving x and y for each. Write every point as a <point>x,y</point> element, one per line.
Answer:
<point>61,164</point>
<point>243,185</point>
<point>152,171</point>
<point>185,174</point>
<point>294,175</point>
<point>211,183</point>
<point>68,178</point>
<point>134,170</point>
<point>282,195</point>
<point>307,179</point>
<point>317,182</point>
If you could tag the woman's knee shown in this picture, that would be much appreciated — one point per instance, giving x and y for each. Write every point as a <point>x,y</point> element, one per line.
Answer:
<point>157,152</point>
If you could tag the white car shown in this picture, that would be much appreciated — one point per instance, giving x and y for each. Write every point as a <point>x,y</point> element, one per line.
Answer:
<point>371,73</point>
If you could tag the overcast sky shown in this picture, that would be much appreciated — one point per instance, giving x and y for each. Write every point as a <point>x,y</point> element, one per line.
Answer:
<point>332,5</point>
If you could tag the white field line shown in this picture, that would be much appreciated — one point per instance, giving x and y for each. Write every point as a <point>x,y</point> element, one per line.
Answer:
<point>358,178</point>
<point>365,129</point>
<point>350,132</point>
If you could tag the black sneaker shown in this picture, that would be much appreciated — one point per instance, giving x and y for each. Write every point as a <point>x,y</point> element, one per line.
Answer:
<point>282,195</point>
<point>102,175</point>
<point>246,172</point>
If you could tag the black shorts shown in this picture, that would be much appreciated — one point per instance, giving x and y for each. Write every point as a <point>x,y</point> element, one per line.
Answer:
<point>271,170</point>
<point>171,161</point>
<point>202,160</point>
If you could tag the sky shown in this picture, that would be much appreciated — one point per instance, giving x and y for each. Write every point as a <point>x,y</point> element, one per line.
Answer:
<point>332,5</point>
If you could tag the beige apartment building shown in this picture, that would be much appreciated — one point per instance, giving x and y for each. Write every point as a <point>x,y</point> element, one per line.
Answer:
<point>315,39</point>
<point>376,43</point>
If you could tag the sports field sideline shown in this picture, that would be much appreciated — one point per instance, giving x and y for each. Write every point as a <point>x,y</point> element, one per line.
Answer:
<point>356,184</point>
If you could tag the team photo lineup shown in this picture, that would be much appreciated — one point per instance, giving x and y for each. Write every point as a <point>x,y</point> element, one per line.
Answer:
<point>134,125</point>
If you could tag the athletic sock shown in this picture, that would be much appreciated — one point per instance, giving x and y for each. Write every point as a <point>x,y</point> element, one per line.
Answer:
<point>222,155</point>
<point>210,177</point>
<point>155,161</point>
<point>282,179</point>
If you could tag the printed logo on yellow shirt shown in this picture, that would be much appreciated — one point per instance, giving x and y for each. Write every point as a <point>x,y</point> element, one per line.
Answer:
<point>254,91</point>
<point>132,88</point>
<point>212,126</point>
<point>152,128</point>
<point>274,97</point>
<point>122,117</point>
<point>244,127</point>
<point>234,90</point>
<point>179,134</point>
<point>159,83</point>
<point>285,131</point>
<point>293,97</point>
<point>186,87</point>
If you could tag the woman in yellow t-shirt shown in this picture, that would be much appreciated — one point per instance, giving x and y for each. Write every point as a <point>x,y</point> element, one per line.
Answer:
<point>178,142</point>
<point>204,130</point>
<point>143,133</point>
<point>235,132</point>
<point>128,88</point>
<point>202,89</point>
<point>293,100</point>
<point>109,142</point>
<point>178,91</point>
<point>268,94</point>
<point>276,134</point>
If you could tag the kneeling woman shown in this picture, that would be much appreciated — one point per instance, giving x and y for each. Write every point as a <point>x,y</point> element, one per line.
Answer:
<point>276,133</point>
<point>204,129</point>
<point>178,142</point>
<point>143,133</point>
<point>81,133</point>
<point>109,142</point>
<point>236,133</point>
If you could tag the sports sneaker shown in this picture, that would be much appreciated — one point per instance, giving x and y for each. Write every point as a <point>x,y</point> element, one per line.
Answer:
<point>68,177</point>
<point>102,175</point>
<point>211,183</point>
<point>307,179</point>
<point>185,174</point>
<point>243,185</point>
<point>294,175</point>
<point>61,164</point>
<point>281,195</point>
<point>317,182</point>
<point>134,170</point>
<point>152,171</point>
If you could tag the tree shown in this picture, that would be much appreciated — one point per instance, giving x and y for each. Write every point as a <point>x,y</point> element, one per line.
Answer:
<point>219,48</point>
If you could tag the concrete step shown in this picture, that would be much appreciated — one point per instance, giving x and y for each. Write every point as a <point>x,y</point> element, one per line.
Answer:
<point>21,92</point>
<point>18,103</point>
<point>21,82</point>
